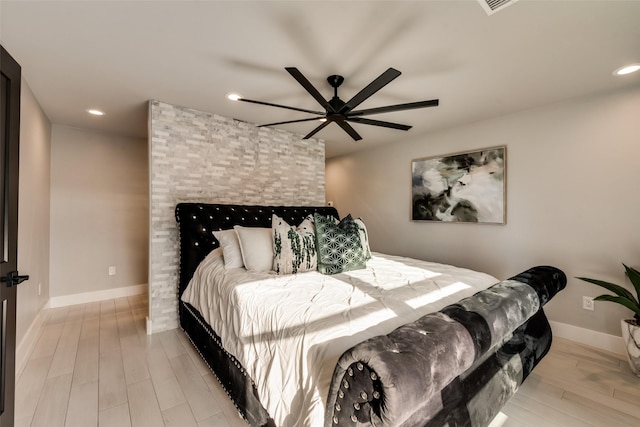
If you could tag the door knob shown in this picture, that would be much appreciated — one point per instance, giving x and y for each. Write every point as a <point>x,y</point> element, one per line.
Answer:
<point>13,279</point>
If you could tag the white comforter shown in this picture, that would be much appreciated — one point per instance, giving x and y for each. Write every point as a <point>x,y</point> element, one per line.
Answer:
<point>289,331</point>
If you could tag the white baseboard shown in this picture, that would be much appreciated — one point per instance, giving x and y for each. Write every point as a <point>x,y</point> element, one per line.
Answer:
<point>28,342</point>
<point>85,297</point>
<point>149,326</point>
<point>588,337</point>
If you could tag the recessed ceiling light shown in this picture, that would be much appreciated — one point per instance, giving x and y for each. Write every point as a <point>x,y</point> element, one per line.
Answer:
<point>95,112</point>
<point>627,69</point>
<point>234,97</point>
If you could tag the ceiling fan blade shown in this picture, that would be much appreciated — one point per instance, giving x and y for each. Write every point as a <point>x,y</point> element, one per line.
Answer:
<point>380,123</point>
<point>318,129</point>
<point>290,121</point>
<point>349,129</point>
<point>397,107</point>
<point>310,88</point>
<point>281,106</point>
<point>380,82</point>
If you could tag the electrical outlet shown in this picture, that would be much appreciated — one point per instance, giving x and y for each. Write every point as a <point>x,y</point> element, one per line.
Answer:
<point>112,271</point>
<point>587,303</point>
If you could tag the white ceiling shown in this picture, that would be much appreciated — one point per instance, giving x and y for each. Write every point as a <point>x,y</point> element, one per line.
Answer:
<point>116,55</point>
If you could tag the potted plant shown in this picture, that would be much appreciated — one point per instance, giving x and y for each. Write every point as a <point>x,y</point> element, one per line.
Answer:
<point>630,327</point>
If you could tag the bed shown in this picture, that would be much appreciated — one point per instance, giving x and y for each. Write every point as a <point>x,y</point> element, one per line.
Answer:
<point>422,344</point>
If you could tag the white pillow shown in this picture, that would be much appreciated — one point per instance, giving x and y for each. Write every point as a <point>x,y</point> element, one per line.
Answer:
<point>364,238</point>
<point>256,245</point>
<point>230,248</point>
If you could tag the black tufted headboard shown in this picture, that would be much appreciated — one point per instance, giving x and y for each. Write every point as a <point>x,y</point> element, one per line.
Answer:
<point>197,221</point>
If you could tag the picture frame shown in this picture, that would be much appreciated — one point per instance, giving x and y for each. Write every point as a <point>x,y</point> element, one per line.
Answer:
<point>463,187</point>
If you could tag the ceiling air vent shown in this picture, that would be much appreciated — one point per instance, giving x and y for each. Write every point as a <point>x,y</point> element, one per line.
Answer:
<point>493,6</point>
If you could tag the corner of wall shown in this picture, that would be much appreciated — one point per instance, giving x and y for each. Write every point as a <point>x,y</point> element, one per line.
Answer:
<point>34,196</point>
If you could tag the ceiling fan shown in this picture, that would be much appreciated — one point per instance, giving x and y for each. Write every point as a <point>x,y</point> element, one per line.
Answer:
<point>340,112</point>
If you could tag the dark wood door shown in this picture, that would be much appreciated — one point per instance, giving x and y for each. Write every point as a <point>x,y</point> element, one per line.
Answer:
<point>9,278</point>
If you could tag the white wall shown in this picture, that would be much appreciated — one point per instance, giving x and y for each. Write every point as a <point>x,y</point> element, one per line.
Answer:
<point>99,211</point>
<point>33,215</point>
<point>573,198</point>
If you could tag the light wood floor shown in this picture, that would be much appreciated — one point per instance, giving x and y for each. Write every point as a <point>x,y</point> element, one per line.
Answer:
<point>94,365</point>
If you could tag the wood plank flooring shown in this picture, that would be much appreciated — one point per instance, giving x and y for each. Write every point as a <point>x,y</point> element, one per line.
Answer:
<point>576,385</point>
<point>94,365</point>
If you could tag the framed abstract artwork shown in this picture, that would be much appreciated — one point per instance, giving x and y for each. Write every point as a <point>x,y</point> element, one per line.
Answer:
<point>460,187</point>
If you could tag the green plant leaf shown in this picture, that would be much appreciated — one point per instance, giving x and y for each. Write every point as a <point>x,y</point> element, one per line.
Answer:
<point>631,305</point>
<point>616,289</point>
<point>634,277</point>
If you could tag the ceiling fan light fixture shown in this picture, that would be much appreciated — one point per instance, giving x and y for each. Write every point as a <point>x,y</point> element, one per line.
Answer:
<point>627,69</point>
<point>233,97</point>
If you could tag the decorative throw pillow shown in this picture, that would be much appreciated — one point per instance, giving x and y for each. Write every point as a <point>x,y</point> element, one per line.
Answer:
<point>339,247</point>
<point>294,248</point>
<point>364,238</point>
<point>256,246</point>
<point>230,245</point>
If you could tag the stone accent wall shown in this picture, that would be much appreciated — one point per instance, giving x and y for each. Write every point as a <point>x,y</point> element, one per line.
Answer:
<point>201,157</point>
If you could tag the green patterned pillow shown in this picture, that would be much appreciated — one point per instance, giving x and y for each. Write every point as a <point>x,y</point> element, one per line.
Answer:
<point>339,246</point>
<point>294,248</point>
